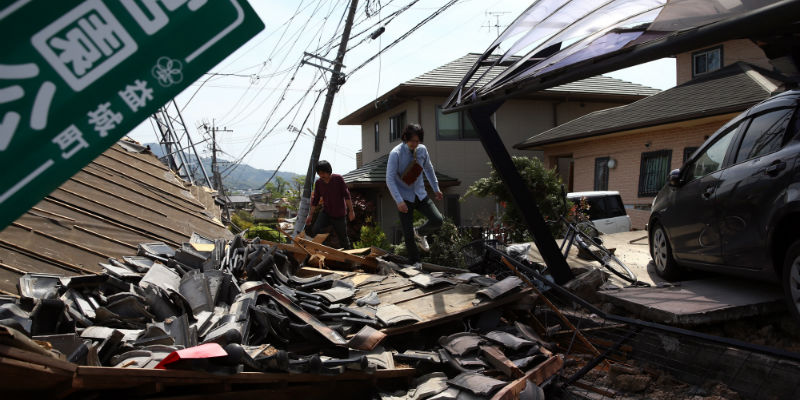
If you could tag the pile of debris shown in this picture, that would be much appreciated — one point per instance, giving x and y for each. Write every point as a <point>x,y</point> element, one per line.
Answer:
<point>227,307</point>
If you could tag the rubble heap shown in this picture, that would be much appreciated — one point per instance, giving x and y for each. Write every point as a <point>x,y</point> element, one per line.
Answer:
<point>233,306</point>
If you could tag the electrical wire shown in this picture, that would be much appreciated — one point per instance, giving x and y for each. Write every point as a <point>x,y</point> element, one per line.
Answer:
<point>278,47</point>
<point>259,137</point>
<point>405,35</point>
<point>243,114</point>
<point>265,130</point>
<point>299,132</point>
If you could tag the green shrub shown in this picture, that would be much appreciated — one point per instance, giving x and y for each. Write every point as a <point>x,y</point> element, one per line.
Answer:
<point>446,246</point>
<point>371,235</point>
<point>242,219</point>
<point>544,184</point>
<point>264,232</point>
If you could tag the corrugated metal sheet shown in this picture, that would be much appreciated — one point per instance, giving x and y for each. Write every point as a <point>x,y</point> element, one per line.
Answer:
<point>119,200</point>
<point>731,89</point>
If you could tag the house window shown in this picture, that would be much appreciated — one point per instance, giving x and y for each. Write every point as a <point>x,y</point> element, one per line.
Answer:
<point>706,61</point>
<point>601,173</point>
<point>454,126</point>
<point>377,137</point>
<point>653,172</point>
<point>687,152</point>
<point>452,208</point>
<point>396,125</point>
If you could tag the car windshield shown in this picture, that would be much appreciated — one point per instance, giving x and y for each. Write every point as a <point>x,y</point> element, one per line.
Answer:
<point>605,207</point>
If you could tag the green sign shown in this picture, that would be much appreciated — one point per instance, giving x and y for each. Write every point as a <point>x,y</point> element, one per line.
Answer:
<point>75,76</point>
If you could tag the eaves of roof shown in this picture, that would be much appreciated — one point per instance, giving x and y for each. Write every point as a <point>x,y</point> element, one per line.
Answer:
<point>733,89</point>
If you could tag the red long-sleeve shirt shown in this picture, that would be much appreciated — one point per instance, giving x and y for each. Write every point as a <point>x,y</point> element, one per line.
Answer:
<point>334,193</point>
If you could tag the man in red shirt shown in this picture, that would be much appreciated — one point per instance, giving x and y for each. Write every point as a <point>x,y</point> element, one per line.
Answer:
<point>336,203</point>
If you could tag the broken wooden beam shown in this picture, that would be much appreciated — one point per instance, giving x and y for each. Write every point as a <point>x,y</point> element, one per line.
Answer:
<point>537,375</point>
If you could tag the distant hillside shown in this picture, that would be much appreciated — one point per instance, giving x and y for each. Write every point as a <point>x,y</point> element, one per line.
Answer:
<point>242,177</point>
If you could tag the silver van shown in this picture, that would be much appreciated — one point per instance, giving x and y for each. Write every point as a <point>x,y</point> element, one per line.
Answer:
<point>606,210</point>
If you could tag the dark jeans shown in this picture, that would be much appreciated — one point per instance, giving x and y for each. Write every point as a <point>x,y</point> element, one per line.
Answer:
<point>339,227</point>
<point>428,209</point>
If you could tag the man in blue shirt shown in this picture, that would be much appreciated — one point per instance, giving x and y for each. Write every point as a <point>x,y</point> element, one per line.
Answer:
<point>413,196</point>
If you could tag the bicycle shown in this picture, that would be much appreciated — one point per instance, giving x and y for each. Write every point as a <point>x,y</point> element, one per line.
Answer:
<point>592,246</point>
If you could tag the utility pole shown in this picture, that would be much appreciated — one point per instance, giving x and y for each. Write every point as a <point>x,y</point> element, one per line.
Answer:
<point>337,79</point>
<point>215,168</point>
<point>214,149</point>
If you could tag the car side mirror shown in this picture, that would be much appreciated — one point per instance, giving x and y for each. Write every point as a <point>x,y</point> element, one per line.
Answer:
<point>675,177</point>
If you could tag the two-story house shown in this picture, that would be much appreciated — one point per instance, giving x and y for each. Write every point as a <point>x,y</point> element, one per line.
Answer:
<point>632,148</point>
<point>455,149</point>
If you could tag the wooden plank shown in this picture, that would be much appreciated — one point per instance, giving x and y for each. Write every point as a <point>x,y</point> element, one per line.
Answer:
<point>36,358</point>
<point>364,251</point>
<point>501,362</point>
<point>336,254</point>
<point>292,248</point>
<point>311,271</point>
<point>456,299</point>
<point>108,377</point>
<point>537,375</point>
<point>320,238</point>
<point>16,375</point>
<point>463,312</point>
<point>601,391</point>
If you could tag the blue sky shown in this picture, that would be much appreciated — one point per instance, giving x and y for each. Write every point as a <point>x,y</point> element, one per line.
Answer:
<point>244,103</point>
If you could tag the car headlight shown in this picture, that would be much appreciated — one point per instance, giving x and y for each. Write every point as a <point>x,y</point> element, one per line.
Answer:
<point>653,204</point>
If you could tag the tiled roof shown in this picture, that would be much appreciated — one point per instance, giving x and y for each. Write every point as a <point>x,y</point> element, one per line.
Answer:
<point>731,89</point>
<point>238,199</point>
<point>265,207</point>
<point>374,173</point>
<point>442,80</point>
<point>119,200</point>
<point>450,75</point>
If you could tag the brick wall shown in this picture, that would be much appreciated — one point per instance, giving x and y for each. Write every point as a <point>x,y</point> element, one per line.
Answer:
<point>627,149</point>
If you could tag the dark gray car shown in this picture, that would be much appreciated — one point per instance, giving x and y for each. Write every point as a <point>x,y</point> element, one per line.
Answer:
<point>734,206</point>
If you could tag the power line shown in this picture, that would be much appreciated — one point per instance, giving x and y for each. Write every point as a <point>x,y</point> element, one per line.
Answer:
<point>280,45</point>
<point>258,138</point>
<point>299,132</point>
<point>238,116</point>
<point>405,35</point>
<point>263,133</point>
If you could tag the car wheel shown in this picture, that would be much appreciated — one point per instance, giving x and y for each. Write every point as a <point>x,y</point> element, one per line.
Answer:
<point>660,250</point>
<point>791,279</point>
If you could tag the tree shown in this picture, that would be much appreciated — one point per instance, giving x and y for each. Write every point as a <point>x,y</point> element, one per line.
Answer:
<point>293,192</point>
<point>276,189</point>
<point>544,184</point>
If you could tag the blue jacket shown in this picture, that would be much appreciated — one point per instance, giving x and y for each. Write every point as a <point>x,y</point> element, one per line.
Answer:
<point>399,158</point>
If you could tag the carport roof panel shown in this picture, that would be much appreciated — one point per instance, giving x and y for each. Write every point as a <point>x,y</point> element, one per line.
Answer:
<point>563,41</point>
